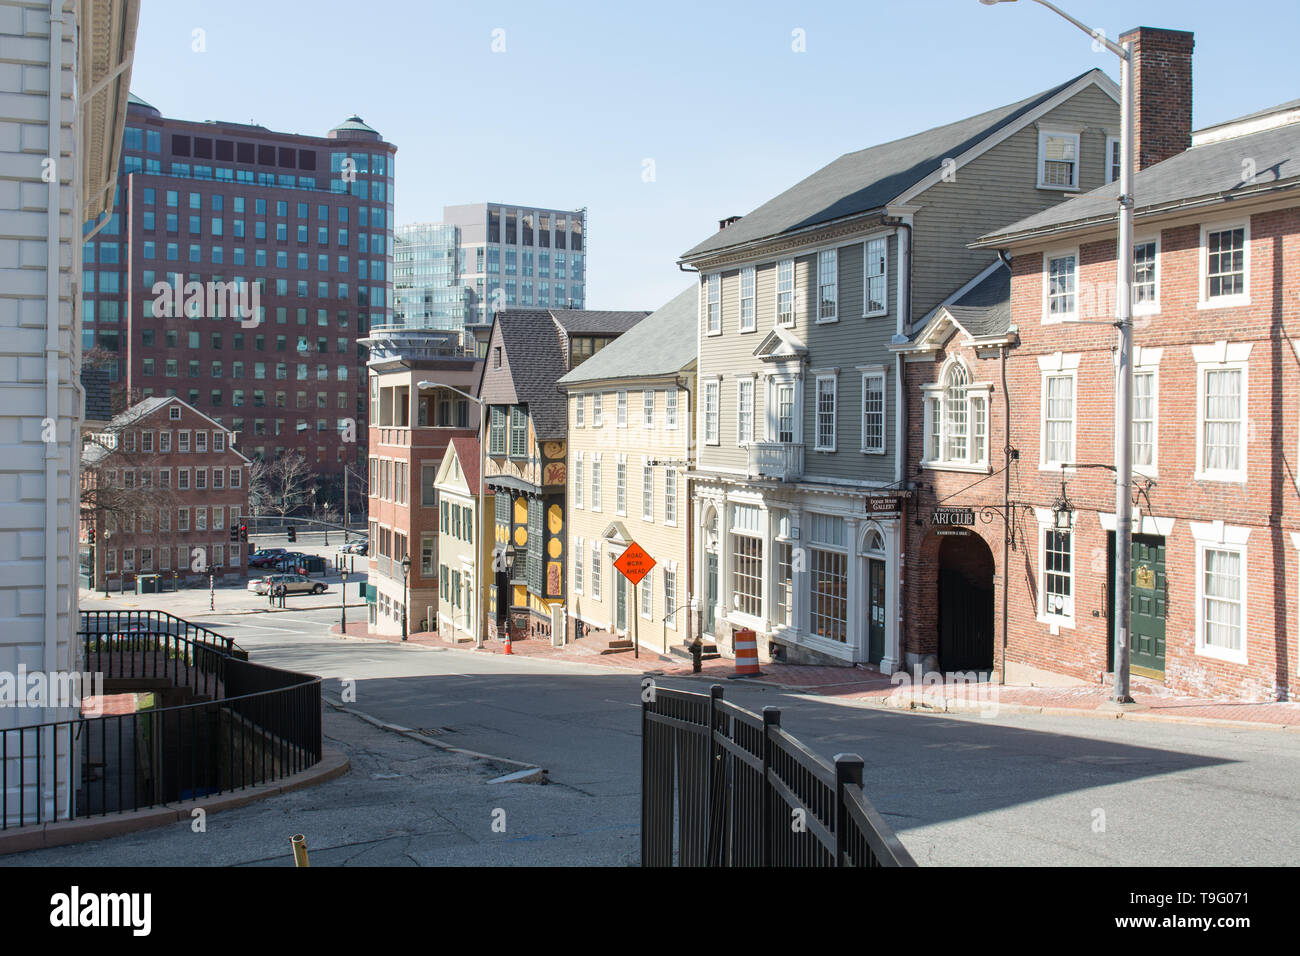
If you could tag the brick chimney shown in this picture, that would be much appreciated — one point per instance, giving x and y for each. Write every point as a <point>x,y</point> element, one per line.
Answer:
<point>1162,93</point>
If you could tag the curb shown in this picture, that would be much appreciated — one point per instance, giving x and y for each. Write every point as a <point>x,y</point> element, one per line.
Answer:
<point>333,764</point>
<point>520,765</point>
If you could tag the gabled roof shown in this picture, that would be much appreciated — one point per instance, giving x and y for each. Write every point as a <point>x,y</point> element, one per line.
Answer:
<point>595,322</point>
<point>871,178</point>
<point>143,409</point>
<point>780,346</point>
<point>1213,172</point>
<point>663,343</point>
<point>465,449</point>
<point>981,310</point>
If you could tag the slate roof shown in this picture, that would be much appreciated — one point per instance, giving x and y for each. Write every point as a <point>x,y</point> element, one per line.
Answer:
<point>663,343</point>
<point>537,357</point>
<point>467,452</point>
<point>985,309</point>
<point>99,395</point>
<point>1211,170</point>
<point>139,410</point>
<point>870,178</point>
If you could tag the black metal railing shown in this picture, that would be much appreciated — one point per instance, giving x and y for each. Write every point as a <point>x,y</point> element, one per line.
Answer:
<point>722,786</point>
<point>116,622</point>
<point>260,725</point>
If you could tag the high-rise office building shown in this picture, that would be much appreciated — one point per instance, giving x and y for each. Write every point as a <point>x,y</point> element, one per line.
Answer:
<point>275,249</point>
<point>485,257</point>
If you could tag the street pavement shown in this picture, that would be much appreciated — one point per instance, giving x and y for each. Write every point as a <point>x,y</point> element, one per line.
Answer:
<point>1010,789</point>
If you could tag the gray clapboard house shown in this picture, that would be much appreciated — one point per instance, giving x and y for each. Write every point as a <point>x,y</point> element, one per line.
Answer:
<point>800,485</point>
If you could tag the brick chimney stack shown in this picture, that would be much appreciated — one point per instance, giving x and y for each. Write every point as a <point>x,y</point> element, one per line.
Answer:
<point>1162,93</point>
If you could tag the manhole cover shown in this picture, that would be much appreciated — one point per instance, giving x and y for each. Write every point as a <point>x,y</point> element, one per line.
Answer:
<point>435,731</point>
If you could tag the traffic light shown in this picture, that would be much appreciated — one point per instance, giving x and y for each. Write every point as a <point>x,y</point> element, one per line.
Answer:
<point>243,532</point>
<point>293,534</point>
<point>234,533</point>
<point>92,535</point>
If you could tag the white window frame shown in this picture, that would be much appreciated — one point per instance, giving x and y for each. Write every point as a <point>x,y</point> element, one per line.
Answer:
<point>748,313</point>
<point>833,379</point>
<point>597,592</point>
<point>620,412</point>
<point>1054,366</point>
<point>869,374</point>
<point>580,412</point>
<point>1217,536</point>
<point>620,486</point>
<point>774,383</point>
<point>1073,315</point>
<point>670,599</point>
<point>597,410</point>
<point>1152,307</point>
<point>1223,301</point>
<point>880,243</point>
<point>828,277</point>
<point>648,408</point>
<point>935,402</point>
<point>645,589</point>
<point>711,303</point>
<point>1112,148</point>
<point>647,490</point>
<point>1222,356</point>
<point>710,422</point>
<point>579,557</point>
<point>595,481</point>
<point>1066,618</point>
<point>744,436</point>
<point>670,497</point>
<point>577,485</point>
<point>670,409</point>
<point>1063,133</point>
<point>781,266</point>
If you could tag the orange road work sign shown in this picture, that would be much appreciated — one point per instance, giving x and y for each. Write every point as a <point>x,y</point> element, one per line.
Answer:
<point>634,563</point>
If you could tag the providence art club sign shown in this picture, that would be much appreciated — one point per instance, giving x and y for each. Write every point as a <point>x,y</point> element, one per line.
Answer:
<point>952,520</point>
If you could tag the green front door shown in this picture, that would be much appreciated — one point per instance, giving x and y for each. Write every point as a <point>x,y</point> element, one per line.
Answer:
<point>876,610</point>
<point>1147,607</point>
<point>711,591</point>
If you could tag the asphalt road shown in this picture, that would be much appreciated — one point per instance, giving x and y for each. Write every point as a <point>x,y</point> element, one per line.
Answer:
<point>1014,790</point>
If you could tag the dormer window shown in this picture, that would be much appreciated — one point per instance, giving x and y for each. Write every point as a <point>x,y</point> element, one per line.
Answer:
<point>1058,159</point>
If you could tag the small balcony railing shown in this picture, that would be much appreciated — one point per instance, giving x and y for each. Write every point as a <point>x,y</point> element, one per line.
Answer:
<point>782,461</point>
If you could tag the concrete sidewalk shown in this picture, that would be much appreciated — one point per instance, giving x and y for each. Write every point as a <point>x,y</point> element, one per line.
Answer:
<point>865,684</point>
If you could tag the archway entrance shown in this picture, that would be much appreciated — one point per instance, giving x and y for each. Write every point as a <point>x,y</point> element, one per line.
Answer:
<point>965,604</point>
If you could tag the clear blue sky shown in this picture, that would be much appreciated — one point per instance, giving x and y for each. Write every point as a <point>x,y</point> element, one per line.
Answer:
<point>712,93</point>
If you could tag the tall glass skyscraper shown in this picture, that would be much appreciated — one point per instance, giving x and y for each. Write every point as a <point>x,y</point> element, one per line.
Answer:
<point>485,257</point>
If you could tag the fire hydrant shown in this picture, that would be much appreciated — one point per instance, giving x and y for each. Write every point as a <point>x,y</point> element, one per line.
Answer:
<point>697,655</point>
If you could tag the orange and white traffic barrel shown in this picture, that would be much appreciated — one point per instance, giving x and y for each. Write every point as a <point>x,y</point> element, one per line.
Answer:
<point>746,645</point>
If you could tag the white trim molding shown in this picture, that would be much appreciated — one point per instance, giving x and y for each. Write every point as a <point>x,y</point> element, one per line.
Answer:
<point>1221,537</point>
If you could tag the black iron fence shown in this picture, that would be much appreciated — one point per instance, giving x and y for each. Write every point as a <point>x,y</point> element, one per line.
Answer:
<point>257,725</point>
<point>722,786</point>
<point>120,622</point>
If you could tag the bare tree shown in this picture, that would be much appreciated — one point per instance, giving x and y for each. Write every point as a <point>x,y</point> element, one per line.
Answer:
<point>120,493</point>
<point>287,480</point>
<point>259,486</point>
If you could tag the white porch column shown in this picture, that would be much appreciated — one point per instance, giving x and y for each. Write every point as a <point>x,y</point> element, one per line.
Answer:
<point>765,535</point>
<point>895,558</point>
<point>854,571</point>
<point>724,564</point>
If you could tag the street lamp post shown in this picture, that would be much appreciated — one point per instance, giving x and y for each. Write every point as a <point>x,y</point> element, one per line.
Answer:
<point>406,569</point>
<point>480,518</point>
<point>343,603</point>
<point>1124,324</point>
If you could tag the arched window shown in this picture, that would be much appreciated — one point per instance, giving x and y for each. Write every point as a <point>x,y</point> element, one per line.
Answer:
<point>874,542</point>
<point>956,419</point>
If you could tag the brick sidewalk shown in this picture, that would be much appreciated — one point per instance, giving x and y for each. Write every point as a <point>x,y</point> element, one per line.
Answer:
<point>868,685</point>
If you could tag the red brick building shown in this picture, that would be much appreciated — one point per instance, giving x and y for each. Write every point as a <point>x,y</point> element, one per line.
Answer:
<point>1215,292</point>
<point>162,488</point>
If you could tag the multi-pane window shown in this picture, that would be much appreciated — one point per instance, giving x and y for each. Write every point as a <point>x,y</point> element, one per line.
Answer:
<point>496,431</point>
<point>1058,419</point>
<point>620,414</point>
<point>1058,155</point>
<point>1058,573</point>
<point>710,410</point>
<point>1222,599</point>
<point>577,484</point>
<point>670,409</point>
<point>745,411</point>
<point>647,491</point>
<point>1223,426</point>
<point>596,418</point>
<point>1225,263</point>
<point>1061,278</point>
<point>1112,158</point>
<point>1144,275</point>
<point>873,413</point>
<point>785,292</point>
<point>1144,419</point>
<point>826,399</point>
<point>670,598</point>
<point>713,303</point>
<point>595,483</point>
<point>595,570</point>
<point>784,552</point>
<point>827,285</point>
<point>580,411</point>
<point>579,555</point>
<point>648,408</point>
<point>746,560</point>
<point>956,420</point>
<point>747,311</point>
<point>647,593</point>
<point>875,284</point>
<point>670,496</point>
<point>828,577</point>
<point>620,485</point>
<point>784,407</point>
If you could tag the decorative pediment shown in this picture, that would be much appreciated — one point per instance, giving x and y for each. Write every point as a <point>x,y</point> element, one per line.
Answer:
<point>616,533</point>
<point>781,346</point>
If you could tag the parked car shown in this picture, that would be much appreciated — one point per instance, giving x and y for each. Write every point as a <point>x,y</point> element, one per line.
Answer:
<point>293,561</point>
<point>293,583</point>
<point>265,557</point>
<point>360,546</point>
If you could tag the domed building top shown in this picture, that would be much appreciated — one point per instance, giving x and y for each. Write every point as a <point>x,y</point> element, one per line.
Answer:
<point>354,128</point>
<point>133,100</point>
